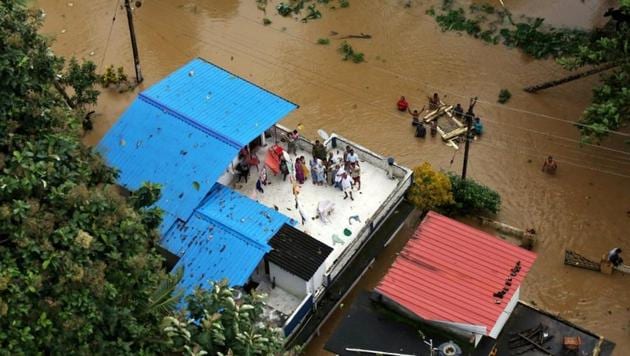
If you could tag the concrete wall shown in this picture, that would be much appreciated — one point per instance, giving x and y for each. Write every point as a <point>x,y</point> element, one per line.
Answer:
<point>317,280</point>
<point>505,315</point>
<point>287,281</point>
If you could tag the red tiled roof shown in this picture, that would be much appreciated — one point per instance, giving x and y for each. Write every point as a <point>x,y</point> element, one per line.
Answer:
<point>449,271</point>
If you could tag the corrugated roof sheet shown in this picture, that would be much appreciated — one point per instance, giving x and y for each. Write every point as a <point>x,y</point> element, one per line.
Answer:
<point>225,238</point>
<point>148,144</point>
<point>183,132</point>
<point>449,271</point>
<point>297,252</point>
<point>220,101</point>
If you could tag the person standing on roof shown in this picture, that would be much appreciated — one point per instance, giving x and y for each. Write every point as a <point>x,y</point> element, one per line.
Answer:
<point>352,158</point>
<point>299,171</point>
<point>356,175</point>
<point>293,138</point>
<point>284,168</point>
<point>319,151</point>
<point>614,257</point>
<point>346,186</point>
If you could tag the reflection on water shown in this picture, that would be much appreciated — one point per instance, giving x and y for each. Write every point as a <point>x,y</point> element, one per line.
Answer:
<point>583,207</point>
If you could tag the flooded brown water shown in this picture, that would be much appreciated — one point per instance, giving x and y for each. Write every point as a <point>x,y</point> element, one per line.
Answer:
<point>583,207</point>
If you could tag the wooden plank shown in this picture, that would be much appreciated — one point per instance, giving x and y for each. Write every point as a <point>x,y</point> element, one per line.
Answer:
<point>454,133</point>
<point>574,259</point>
<point>536,345</point>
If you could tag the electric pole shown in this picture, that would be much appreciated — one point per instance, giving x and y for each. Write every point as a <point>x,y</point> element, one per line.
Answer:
<point>469,118</point>
<point>134,46</point>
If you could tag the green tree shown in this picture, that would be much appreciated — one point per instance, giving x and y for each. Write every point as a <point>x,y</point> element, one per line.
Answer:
<point>470,197</point>
<point>223,321</point>
<point>79,271</point>
<point>77,261</point>
<point>430,189</point>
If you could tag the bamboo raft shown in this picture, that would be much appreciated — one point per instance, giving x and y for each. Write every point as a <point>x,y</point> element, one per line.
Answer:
<point>572,258</point>
<point>449,127</point>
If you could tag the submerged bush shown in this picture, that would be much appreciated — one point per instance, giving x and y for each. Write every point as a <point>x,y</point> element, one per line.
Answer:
<point>471,197</point>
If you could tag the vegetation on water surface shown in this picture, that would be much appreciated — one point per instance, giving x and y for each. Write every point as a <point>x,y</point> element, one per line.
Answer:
<point>323,41</point>
<point>350,54</point>
<point>571,48</point>
<point>449,194</point>
<point>504,96</point>
<point>80,270</point>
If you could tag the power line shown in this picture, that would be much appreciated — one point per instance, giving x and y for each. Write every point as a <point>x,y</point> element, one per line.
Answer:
<point>415,80</point>
<point>271,63</point>
<point>109,36</point>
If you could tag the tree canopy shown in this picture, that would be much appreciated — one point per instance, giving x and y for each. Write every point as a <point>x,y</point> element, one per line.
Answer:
<point>79,269</point>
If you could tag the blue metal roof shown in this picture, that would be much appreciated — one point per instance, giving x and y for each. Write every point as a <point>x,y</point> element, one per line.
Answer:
<point>148,144</point>
<point>225,238</point>
<point>231,107</point>
<point>183,132</point>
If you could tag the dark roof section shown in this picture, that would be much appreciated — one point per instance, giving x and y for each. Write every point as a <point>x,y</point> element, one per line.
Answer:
<point>526,317</point>
<point>297,252</point>
<point>368,325</point>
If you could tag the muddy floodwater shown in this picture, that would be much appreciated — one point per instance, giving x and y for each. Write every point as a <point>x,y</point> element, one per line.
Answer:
<point>585,207</point>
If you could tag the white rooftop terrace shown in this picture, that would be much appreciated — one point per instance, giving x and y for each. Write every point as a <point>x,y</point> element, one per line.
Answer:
<point>374,197</point>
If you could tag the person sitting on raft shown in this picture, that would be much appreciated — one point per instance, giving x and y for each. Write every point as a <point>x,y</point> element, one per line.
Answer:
<point>415,116</point>
<point>614,258</point>
<point>402,104</point>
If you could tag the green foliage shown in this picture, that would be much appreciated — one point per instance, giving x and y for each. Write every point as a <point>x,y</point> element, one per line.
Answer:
<point>471,197</point>
<point>323,41</point>
<point>226,322</point>
<point>455,20</point>
<point>312,14</point>
<point>571,48</point>
<point>81,78</point>
<point>284,9</point>
<point>115,77</point>
<point>78,261</point>
<point>430,190</point>
<point>344,3</point>
<point>504,96</point>
<point>349,54</point>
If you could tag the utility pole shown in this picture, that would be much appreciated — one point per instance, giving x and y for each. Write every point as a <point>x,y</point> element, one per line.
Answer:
<point>469,118</point>
<point>134,46</point>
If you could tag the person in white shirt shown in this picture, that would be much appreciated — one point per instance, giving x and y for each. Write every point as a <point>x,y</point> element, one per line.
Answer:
<point>353,157</point>
<point>346,186</point>
<point>339,176</point>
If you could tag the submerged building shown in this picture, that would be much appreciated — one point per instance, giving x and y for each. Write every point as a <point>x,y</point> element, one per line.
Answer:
<point>455,290</point>
<point>186,133</point>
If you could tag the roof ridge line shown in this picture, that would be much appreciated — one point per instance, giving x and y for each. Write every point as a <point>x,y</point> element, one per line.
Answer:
<point>189,121</point>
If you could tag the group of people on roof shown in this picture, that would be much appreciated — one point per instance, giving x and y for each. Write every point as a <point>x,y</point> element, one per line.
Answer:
<point>341,170</point>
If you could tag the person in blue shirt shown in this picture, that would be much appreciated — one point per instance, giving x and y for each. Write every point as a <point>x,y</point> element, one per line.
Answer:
<point>478,127</point>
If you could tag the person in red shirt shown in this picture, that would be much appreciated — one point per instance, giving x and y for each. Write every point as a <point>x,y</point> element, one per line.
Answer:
<point>402,104</point>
